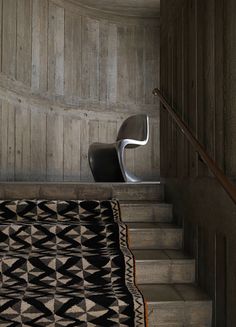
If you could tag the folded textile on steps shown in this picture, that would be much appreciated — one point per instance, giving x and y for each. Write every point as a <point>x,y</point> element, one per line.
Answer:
<point>66,263</point>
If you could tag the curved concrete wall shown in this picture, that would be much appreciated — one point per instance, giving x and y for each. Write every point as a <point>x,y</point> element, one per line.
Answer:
<point>69,77</point>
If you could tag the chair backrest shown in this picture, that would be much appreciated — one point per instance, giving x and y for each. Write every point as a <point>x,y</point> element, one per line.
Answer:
<point>135,128</point>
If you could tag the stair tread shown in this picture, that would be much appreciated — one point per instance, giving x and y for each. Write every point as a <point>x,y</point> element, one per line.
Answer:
<point>155,255</point>
<point>154,293</point>
<point>152,225</point>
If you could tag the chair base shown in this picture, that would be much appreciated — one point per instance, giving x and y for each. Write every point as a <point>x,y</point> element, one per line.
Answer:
<point>131,177</point>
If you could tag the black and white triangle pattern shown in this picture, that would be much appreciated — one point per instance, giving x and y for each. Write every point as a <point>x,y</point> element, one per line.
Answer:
<point>66,263</point>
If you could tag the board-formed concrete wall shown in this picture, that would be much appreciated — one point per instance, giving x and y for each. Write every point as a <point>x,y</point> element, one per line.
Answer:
<point>198,77</point>
<point>69,76</point>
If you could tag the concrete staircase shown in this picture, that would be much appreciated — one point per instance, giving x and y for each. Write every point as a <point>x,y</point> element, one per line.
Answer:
<point>165,274</point>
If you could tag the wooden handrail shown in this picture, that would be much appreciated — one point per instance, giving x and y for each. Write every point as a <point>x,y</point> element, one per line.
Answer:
<point>229,187</point>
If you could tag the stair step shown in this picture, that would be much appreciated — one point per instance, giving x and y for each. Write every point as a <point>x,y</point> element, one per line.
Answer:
<point>159,266</point>
<point>178,305</point>
<point>150,191</point>
<point>155,236</point>
<point>140,211</point>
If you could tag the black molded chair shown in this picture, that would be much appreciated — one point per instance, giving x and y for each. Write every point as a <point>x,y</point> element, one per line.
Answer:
<point>107,160</point>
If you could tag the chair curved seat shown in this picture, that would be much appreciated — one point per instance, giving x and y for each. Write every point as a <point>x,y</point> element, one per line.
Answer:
<point>107,160</point>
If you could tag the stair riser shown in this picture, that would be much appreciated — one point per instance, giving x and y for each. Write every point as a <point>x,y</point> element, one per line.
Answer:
<point>146,213</point>
<point>191,314</point>
<point>138,192</point>
<point>156,239</point>
<point>151,272</point>
<point>70,191</point>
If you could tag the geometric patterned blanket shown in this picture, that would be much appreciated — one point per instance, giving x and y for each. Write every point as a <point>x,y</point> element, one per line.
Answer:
<point>66,263</point>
